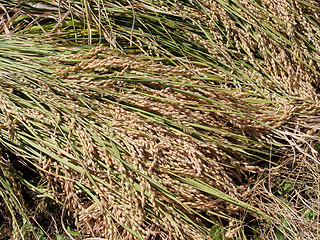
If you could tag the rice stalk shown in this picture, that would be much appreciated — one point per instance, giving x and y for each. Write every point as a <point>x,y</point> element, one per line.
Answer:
<point>192,114</point>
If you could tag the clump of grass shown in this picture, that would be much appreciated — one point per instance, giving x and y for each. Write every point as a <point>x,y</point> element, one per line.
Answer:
<point>192,115</point>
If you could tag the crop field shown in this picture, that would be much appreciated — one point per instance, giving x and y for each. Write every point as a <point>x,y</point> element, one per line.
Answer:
<point>159,120</point>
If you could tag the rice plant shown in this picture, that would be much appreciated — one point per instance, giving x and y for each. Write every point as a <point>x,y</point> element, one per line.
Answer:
<point>159,119</point>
